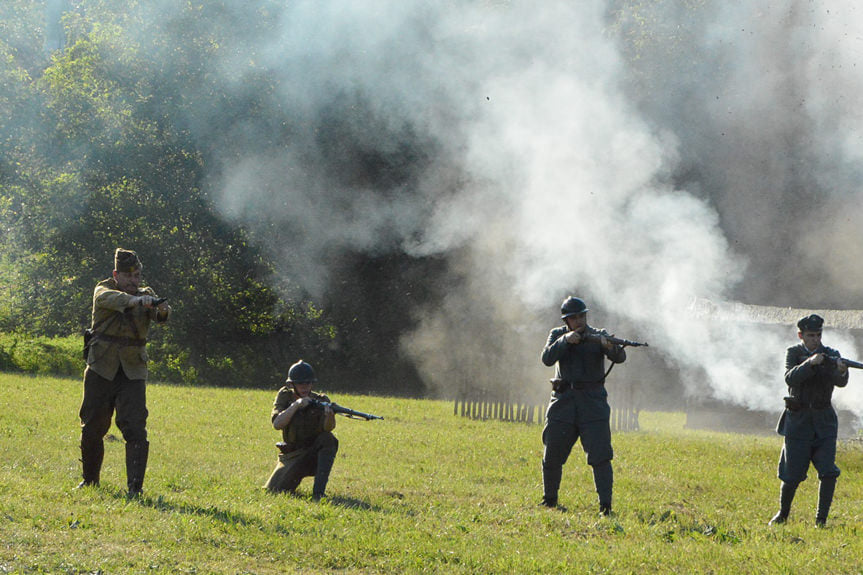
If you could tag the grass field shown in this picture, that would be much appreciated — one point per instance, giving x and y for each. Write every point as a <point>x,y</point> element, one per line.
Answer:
<point>421,491</point>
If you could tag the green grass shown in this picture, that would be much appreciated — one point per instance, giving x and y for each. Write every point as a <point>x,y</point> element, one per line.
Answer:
<point>421,491</point>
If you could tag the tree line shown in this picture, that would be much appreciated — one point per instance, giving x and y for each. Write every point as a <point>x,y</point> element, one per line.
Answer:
<point>101,146</point>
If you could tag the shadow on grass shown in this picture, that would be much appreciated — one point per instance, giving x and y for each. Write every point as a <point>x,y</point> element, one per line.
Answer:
<point>159,503</point>
<point>334,500</point>
<point>351,503</point>
<point>231,517</point>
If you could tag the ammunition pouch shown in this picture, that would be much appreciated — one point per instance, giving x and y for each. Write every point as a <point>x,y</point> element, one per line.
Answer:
<point>560,385</point>
<point>88,336</point>
<point>792,403</point>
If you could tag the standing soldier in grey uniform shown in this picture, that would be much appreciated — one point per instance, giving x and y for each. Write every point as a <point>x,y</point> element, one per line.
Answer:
<point>579,402</point>
<point>116,373</point>
<point>809,423</point>
<point>308,447</point>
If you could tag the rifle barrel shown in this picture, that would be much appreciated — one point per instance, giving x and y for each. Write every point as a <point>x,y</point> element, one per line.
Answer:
<point>353,413</point>
<point>848,362</point>
<point>616,340</point>
<point>852,363</point>
<point>347,412</point>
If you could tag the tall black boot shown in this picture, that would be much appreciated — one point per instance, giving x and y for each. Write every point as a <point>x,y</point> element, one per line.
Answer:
<point>92,454</point>
<point>825,499</point>
<point>551,475</point>
<point>137,453</point>
<point>603,479</point>
<point>326,458</point>
<point>786,496</point>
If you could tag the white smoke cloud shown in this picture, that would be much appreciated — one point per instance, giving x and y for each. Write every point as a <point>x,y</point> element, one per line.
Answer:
<point>548,171</point>
<point>587,178</point>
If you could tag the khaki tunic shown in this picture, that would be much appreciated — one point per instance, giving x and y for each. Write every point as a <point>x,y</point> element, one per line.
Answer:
<point>302,439</point>
<point>305,425</point>
<point>121,331</point>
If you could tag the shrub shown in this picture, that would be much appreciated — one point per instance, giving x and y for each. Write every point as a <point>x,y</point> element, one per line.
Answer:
<point>40,355</point>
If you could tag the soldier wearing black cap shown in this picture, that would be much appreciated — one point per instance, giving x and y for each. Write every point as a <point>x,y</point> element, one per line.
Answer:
<point>116,374</point>
<point>579,402</point>
<point>308,447</point>
<point>809,423</point>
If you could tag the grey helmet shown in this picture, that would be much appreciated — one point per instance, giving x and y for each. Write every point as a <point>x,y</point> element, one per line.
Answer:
<point>301,372</point>
<point>572,306</point>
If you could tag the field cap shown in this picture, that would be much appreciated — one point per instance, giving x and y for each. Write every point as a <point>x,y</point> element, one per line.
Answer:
<point>812,322</point>
<point>126,260</point>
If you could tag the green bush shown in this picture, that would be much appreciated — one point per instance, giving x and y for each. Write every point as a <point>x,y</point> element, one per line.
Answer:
<point>61,356</point>
<point>41,355</point>
<point>171,364</point>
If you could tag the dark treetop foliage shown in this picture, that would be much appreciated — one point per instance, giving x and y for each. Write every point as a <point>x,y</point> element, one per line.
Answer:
<point>101,145</point>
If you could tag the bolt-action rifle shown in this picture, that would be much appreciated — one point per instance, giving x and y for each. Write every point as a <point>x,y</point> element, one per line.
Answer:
<point>849,362</point>
<point>345,411</point>
<point>615,340</point>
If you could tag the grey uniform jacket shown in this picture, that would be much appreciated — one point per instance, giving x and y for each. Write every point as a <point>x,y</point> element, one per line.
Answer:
<point>583,363</point>
<point>812,388</point>
<point>583,366</point>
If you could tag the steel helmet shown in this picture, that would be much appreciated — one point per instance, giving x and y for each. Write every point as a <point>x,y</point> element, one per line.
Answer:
<point>572,306</point>
<point>301,372</point>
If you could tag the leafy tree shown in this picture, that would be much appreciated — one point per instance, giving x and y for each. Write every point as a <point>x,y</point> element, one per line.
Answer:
<point>117,137</point>
<point>111,171</point>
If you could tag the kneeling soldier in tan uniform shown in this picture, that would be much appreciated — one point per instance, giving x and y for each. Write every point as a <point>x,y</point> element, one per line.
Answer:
<point>308,447</point>
<point>116,373</point>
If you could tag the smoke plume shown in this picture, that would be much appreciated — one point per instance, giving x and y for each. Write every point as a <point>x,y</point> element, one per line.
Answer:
<point>639,155</point>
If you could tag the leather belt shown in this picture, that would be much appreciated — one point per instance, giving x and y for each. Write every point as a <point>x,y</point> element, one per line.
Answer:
<point>562,385</point>
<point>816,405</point>
<point>124,341</point>
<point>794,404</point>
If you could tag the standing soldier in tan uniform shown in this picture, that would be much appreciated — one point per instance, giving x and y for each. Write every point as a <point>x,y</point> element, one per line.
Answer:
<point>116,374</point>
<point>308,447</point>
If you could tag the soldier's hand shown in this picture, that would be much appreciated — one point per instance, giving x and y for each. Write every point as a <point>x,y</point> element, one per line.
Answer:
<point>573,337</point>
<point>816,359</point>
<point>605,343</point>
<point>302,402</point>
<point>841,366</point>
